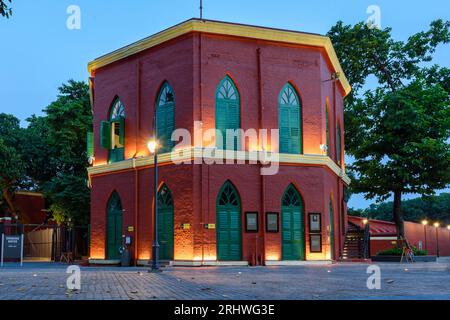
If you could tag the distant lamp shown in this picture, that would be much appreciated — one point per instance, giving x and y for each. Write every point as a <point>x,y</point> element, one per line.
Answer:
<point>448,227</point>
<point>424,222</point>
<point>365,221</point>
<point>152,145</point>
<point>436,224</point>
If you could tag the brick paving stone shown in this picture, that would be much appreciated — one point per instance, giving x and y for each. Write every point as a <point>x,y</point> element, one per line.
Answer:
<point>339,281</point>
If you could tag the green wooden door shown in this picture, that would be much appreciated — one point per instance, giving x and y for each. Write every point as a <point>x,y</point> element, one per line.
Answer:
<point>113,227</point>
<point>229,225</point>
<point>289,121</point>
<point>292,226</point>
<point>331,230</point>
<point>165,223</point>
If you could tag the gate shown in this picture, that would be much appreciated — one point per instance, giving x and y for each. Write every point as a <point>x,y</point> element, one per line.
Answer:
<point>50,242</point>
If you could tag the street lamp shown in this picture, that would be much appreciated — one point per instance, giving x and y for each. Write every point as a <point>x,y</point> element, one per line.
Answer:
<point>436,225</point>
<point>152,146</point>
<point>425,223</point>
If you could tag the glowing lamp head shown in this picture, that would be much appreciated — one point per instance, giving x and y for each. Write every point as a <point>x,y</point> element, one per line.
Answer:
<point>448,227</point>
<point>436,224</point>
<point>152,145</point>
<point>365,221</point>
<point>424,222</point>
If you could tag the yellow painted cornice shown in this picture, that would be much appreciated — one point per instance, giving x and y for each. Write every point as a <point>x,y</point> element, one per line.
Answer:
<point>229,29</point>
<point>191,154</point>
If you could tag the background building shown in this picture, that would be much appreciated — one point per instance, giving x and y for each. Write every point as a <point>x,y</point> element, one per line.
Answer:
<point>227,76</point>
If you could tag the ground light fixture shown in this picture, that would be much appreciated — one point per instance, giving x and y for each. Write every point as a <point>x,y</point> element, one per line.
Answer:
<point>152,146</point>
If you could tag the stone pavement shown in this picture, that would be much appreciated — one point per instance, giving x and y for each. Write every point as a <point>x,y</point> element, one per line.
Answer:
<point>45,281</point>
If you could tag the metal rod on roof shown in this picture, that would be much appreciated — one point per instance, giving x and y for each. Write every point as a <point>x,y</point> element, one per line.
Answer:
<point>201,9</point>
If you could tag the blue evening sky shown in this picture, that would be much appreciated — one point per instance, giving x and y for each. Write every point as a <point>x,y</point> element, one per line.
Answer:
<point>38,52</point>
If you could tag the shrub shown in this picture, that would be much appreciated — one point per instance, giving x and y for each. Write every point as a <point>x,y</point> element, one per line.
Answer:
<point>398,252</point>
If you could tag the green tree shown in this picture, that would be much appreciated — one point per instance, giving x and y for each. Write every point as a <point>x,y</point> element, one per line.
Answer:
<point>67,121</point>
<point>5,9</point>
<point>398,132</point>
<point>433,208</point>
<point>12,166</point>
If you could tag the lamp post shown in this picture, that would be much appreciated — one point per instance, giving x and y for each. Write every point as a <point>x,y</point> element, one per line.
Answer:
<point>425,223</point>
<point>153,148</point>
<point>436,225</point>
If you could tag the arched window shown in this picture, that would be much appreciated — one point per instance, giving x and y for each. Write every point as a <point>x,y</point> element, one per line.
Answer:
<point>112,132</point>
<point>289,121</point>
<point>228,115</point>
<point>165,118</point>
<point>338,144</point>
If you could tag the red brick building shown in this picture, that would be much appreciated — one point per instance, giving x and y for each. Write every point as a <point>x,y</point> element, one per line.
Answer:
<point>220,76</point>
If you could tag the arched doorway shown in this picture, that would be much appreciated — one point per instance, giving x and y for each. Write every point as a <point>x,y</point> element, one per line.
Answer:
<point>293,243</point>
<point>113,227</point>
<point>165,223</point>
<point>229,226</point>
<point>331,230</point>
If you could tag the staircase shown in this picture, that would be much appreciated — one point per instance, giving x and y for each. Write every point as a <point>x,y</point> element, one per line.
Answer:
<point>354,244</point>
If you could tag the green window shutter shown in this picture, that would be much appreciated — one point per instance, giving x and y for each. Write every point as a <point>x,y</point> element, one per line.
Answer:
<point>289,121</point>
<point>165,114</point>
<point>338,145</point>
<point>122,131</point>
<point>228,114</point>
<point>90,144</point>
<point>105,135</point>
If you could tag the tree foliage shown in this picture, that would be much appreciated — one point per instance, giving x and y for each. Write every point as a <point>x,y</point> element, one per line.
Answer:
<point>50,154</point>
<point>12,166</point>
<point>5,9</point>
<point>399,131</point>
<point>434,208</point>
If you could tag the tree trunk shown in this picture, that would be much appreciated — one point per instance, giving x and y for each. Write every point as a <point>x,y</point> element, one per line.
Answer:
<point>398,215</point>
<point>9,202</point>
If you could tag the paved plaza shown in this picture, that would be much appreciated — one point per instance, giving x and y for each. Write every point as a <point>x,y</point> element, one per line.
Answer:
<point>45,281</point>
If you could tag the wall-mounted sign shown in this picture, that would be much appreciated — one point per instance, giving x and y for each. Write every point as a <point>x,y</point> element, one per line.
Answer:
<point>315,223</point>
<point>130,229</point>
<point>315,243</point>
<point>251,222</point>
<point>272,222</point>
<point>186,226</point>
<point>210,226</point>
